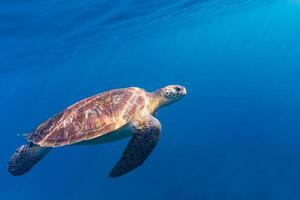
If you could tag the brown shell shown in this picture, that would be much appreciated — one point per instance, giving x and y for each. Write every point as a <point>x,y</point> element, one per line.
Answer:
<point>90,118</point>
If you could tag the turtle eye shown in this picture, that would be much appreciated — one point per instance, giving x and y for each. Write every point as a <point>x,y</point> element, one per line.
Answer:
<point>177,89</point>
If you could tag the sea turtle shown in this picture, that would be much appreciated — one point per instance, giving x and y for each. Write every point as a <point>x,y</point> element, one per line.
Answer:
<point>103,118</point>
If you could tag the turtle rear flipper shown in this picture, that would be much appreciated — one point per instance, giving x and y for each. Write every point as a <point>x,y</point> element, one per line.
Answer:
<point>25,158</point>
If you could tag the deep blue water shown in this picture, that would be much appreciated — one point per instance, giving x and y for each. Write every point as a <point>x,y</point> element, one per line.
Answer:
<point>234,136</point>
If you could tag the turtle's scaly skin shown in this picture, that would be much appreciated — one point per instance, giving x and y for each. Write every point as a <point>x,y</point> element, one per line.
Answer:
<point>90,118</point>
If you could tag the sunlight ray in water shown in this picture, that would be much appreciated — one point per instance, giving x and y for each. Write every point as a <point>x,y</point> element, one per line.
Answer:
<point>33,33</point>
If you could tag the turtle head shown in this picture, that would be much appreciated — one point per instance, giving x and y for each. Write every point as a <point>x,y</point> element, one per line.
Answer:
<point>170,94</point>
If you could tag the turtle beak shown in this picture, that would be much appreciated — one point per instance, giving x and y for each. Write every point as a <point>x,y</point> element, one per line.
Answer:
<point>184,92</point>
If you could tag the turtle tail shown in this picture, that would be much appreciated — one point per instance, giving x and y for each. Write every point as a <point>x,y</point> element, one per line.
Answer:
<point>25,158</point>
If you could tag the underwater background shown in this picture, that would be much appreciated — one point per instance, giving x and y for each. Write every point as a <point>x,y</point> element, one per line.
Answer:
<point>236,134</point>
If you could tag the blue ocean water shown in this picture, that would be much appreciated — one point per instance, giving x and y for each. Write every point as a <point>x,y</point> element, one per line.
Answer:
<point>234,136</point>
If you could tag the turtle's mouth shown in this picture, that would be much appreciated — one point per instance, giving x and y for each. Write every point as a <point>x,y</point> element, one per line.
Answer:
<point>184,92</point>
<point>180,90</point>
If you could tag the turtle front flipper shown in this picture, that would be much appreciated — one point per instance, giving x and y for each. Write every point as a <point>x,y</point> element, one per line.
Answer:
<point>145,137</point>
<point>25,158</point>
